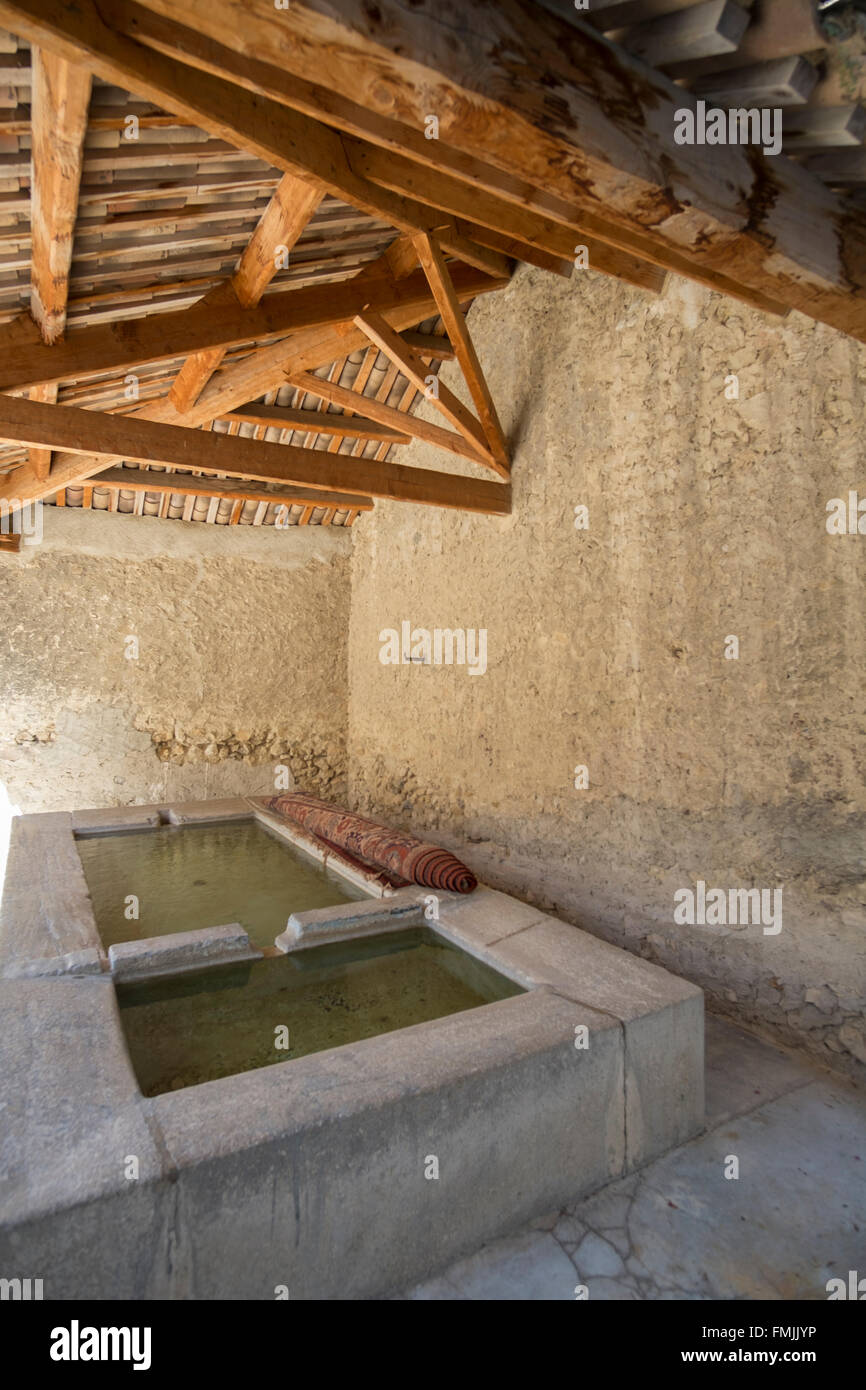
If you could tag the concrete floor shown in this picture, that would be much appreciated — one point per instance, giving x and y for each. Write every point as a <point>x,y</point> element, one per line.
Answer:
<point>679,1229</point>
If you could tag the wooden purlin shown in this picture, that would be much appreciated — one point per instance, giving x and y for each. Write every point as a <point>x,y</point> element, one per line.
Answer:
<point>61,96</point>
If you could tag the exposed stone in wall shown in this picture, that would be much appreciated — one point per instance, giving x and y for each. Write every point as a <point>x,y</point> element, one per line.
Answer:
<point>240,666</point>
<point>315,766</point>
<point>606,646</point>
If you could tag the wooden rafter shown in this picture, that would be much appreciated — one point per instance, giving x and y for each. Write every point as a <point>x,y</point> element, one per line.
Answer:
<point>387,415</point>
<point>433,264</point>
<point>60,100</point>
<point>61,95</point>
<point>284,219</point>
<point>442,398</point>
<point>94,434</point>
<point>321,422</point>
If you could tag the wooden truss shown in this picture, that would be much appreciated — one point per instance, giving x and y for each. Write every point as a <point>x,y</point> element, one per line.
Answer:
<point>550,138</point>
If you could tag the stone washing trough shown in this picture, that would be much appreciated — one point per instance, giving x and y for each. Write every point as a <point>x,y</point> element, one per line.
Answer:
<point>349,1171</point>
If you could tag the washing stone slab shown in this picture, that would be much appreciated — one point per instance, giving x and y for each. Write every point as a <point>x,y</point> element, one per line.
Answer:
<point>45,912</point>
<point>90,961</point>
<point>489,915</point>
<point>311,1174</point>
<point>208,812</point>
<point>70,1211</point>
<point>319,925</point>
<point>186,950</point>
<point>106,819</point>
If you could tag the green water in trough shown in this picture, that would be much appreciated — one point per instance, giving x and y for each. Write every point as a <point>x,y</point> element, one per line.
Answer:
<point>193,876</point>
<point>207,1024</point>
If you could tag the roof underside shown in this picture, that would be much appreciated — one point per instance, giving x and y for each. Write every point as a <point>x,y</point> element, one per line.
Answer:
<point>169,217</point>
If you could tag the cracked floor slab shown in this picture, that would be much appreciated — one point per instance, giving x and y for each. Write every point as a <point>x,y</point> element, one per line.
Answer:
<point>794,1217</point>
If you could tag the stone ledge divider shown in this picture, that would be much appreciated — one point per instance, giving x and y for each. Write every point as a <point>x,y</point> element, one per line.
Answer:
<point>404,908</point>
<point>188,950</point>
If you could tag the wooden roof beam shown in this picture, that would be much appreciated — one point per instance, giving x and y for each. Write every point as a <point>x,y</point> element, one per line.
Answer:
<point>321,422</point>
<point>387,415</point>
<point>93,434</point>
<point>580,122</point>
<point>61,97</point>
<point>218,322</point>
<point>439,277</point>
<point>266,129</point>
<point>436,392</point>
<point>59,106</point>
<point>293,204</point>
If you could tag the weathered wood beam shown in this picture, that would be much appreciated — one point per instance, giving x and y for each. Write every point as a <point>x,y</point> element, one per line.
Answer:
<point>387,415</point>
<point>529,237</point>
<point>438,275</point>
<point>281,224</point>
<point>581,122</point>
<point>467,175</point>
<point>199,485</point>
<point>90,433</point>
<point>322,422</point>
<point>410,303</point>
<point>61,96</point>
<point>218,323</point>
<point>287,139</point>
<point>415,369</point>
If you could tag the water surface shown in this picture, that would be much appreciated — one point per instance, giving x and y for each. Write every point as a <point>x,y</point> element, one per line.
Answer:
<point>192,876</point>
<point>200,1026</point>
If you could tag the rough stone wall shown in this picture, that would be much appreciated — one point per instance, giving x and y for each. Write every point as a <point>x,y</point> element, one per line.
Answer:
<point>241,662</point>
<point>606,646</point>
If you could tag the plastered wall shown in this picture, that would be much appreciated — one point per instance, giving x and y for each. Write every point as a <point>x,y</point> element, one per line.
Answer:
<point>240,665</point>
<point>608,647</point>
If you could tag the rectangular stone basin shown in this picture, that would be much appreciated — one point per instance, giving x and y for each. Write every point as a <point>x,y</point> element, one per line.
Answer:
<point>513,1063</point>
<point>186,1029</point>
